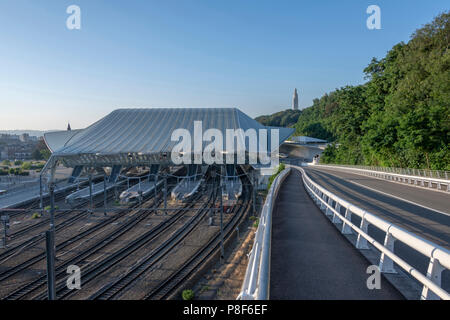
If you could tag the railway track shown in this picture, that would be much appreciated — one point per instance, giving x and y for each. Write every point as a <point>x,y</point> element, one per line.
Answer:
<point>93,271</point>
<point>60,271</point>
<point>37,238</point>
<point>22,266</point>
<point>35,284</point>
<point>176,279</point>
<point>113,289</point>
<point>40,236</point>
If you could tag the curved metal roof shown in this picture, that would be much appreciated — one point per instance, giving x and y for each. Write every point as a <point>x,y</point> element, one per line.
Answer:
<point>144,133</point>
<point>57,139</point>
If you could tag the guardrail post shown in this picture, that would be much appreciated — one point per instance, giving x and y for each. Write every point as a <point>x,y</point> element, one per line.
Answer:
<point>335,216</point>
<point>361,243</point>
<point>434,273</point>
<point>345,227</point>
<point>386,263</point>
<point>322,205</point>
<point>328,212</point>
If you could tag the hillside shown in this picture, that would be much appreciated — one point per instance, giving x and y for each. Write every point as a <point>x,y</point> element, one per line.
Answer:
<point>401,116</point>
<point>287,118</point>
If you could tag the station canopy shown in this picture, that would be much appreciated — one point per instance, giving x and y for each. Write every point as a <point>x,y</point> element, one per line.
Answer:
<point>138,137</point>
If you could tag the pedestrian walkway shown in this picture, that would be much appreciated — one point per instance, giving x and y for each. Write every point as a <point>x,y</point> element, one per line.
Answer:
<point>310,258</point>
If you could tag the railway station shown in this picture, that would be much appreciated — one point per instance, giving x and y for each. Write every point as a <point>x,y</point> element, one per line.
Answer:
<point>123,179</point>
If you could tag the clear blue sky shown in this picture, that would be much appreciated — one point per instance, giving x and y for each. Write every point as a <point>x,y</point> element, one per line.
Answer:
<point>175,53</point>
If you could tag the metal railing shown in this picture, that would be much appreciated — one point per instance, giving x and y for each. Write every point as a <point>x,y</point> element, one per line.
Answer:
<point>424,181</point>
<point>257,277</point>
<point>439,256</point>
<point>438,174</point>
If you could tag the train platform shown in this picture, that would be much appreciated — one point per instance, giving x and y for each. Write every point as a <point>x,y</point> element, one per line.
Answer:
<point>29,194</point>
<point>311,259</point>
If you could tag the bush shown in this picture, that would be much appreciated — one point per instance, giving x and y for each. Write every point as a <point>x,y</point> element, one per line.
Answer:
<point>188,294</point>
<point>6,162</point>
<point>18,162</point>
<point>280,168</point>
<point>26,166</point>
<point>35,215</point>
<point>47,208</point>
<point>256,224</point>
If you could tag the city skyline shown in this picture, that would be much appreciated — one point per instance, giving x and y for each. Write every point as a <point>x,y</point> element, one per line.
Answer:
<point>175,54</point>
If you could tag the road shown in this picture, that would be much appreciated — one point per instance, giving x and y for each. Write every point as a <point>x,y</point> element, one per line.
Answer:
<point>423,212</point>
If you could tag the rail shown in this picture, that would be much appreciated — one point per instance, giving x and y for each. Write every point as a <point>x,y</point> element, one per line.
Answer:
<point>257,276</point>
<point>407,176</point>
<point>439,256</point>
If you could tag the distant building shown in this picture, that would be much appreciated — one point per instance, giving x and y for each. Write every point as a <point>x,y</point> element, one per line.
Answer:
<point>24,137</point>
<point>307,140</point>
<point>295,100</point>
<point>14,147</point>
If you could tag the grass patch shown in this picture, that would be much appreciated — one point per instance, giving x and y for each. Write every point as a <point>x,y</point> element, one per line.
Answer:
<point>204,289</point>
<point>47,208</point>
<point>35,215</point>
<point>188,294</point>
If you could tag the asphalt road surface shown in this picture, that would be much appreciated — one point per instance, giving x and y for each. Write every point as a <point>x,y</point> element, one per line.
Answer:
<point>428,217</point>
<point>310,258</point>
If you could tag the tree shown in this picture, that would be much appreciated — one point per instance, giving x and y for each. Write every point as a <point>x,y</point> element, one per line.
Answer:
<point>400,116</point>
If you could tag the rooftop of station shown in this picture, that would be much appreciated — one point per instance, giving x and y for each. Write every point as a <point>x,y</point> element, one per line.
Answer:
<point>144,136</point>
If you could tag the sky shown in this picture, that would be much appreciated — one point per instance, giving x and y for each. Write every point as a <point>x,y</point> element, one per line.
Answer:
<point>179,53</point>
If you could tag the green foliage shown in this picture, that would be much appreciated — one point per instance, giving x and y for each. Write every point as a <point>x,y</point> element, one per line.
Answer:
<point>41,152</point>
<point>280,168</point>
<point>18,172</point>
<point>400,117</point>
<point>47,208</point>
<point>45,154</point>
<point>256,223</point>
<point>26,166</point>
<point>18,162</point>
<point>287,118</point>
<point>35,215</point>
<point>6,163</point>
<point>188,294</point>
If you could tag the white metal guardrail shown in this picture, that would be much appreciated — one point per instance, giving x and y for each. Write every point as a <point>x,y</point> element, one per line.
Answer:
<point>439,174</point>
<point>439,256</point>
<point>257,277</point>
<point>421,181</point>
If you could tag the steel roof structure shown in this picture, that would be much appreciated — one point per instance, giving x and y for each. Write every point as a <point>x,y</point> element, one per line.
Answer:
<point>134,137</point>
